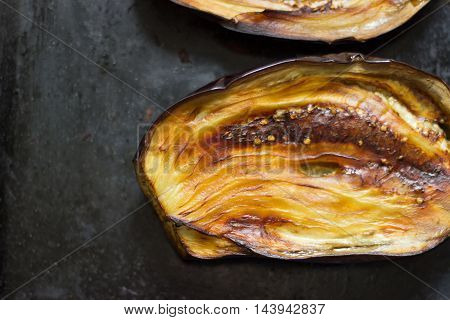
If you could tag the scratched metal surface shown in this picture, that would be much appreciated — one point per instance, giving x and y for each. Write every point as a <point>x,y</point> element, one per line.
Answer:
<point>69,130</point>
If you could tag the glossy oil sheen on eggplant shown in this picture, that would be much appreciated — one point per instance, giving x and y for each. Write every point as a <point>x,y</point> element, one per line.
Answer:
<point>323,20</point>
<point>316,157</point>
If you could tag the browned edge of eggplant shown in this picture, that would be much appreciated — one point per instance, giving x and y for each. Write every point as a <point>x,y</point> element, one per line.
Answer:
<point>235,26</point>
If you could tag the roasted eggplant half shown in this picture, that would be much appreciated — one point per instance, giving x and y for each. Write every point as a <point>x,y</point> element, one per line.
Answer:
<point>323,20</point>
<point>329,156</point>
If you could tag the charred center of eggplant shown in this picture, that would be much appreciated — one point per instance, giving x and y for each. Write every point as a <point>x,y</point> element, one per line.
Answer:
<point>315,123</point>
<point>313,5</point>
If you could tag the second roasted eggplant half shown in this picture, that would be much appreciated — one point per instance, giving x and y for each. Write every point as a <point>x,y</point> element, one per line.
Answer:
<point>324,20</point>
<point>316,157</point>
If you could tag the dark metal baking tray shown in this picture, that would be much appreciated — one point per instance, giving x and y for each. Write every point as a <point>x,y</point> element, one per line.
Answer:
<point>80,82</point>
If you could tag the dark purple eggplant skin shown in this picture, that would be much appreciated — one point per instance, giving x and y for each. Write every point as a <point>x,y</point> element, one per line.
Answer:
<point>226,81</point>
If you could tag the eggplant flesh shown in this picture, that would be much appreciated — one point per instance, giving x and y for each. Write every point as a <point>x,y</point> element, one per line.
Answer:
<point>315,157</point>
<point>322,20</point>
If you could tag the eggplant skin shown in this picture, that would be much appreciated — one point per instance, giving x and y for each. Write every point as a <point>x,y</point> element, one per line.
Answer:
<point>315,20</point>
<point>318,157</point>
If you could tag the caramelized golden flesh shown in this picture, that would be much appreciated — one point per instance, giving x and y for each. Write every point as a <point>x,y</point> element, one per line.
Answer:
<point>200,245</point>
<point>307,158</point>
<point>325,20</point>
<point>189,242</point>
